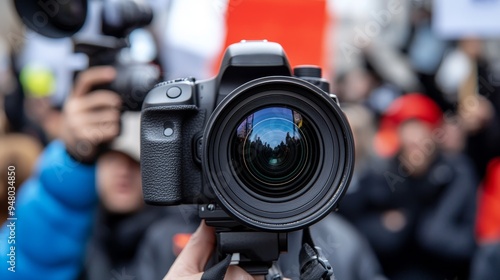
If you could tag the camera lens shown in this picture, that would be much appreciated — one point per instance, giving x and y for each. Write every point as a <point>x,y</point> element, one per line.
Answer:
<point>277,154</point>
<point>273,151</point>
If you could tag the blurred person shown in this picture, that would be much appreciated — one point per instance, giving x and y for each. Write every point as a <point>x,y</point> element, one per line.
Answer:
<point>486,262</point>
<point>124,225</point>
<point>376,31</point>
<point>353,86</point>
<point>38,83</point>
<point>364,85</point>
<point>46,66</point>
<point>60,200</point>
<point>468,77</point>
<point>363,128</point>
<point>417,207</point>
<point>425,50</point>
<point>457,67</point>
<point>479,110</point>
<point>13,39</point>
<point>16,149</point>
<point>454,138</point>
<point>382,93</point>
<point>26,100</point>
<point>363,125</point>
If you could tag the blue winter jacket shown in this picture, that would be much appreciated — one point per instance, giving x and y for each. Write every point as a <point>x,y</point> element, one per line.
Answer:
<point>53,219</point>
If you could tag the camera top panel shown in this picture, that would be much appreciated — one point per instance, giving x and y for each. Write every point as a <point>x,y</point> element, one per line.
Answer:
<point>175,92</point>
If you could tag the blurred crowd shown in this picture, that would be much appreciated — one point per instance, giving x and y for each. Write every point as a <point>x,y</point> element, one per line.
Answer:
<point>424,200</point>
<point>425,115</point>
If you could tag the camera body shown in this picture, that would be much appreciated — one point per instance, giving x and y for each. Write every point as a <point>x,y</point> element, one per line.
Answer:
<point>253,145</point>
<point>182,107</point>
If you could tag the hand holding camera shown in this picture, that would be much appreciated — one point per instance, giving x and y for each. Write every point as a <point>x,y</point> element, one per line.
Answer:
<point>91,117</point>
<point>194,257</point>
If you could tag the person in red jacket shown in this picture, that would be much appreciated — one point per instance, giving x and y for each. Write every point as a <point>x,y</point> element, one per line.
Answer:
<point>486,262</point>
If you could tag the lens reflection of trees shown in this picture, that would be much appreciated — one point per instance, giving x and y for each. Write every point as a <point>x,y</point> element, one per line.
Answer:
<point>261,157</point>
<point>278,162</point>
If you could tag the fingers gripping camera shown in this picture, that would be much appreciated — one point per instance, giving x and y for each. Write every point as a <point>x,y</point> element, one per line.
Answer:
<point>271,150</point>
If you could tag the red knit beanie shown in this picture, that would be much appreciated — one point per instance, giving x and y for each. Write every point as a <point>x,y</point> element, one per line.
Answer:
<point>409,106</point>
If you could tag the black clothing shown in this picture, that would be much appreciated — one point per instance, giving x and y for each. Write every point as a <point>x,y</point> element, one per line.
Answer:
<point>118,242</point>
<point>484,145</point>
<point>486,263</point>
<point>346,249</point>
<point>435,238</point>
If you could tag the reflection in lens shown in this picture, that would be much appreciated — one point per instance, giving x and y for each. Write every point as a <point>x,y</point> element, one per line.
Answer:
<point>274,151</point>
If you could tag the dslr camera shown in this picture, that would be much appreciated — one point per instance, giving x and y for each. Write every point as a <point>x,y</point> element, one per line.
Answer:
<point>261,152</point>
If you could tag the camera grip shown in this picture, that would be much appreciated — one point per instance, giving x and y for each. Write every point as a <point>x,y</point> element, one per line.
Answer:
<point>161,153</point>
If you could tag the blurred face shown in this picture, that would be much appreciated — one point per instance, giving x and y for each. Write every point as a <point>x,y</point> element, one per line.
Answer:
<point>454,140</point>
<point>356,86</point>
<point>417,146</point>
<point>472,46</point>
<point>119,183</point>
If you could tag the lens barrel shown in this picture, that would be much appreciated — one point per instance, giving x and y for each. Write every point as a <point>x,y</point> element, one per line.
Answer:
<point>278,154</point>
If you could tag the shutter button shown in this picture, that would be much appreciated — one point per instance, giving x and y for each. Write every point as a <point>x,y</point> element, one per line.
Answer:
<point>174,92</point>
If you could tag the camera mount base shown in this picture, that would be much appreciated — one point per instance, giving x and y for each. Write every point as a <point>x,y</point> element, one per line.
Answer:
<point>254,251</point>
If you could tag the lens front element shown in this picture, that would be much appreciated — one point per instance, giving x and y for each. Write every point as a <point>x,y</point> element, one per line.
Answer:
<point>273,151</point>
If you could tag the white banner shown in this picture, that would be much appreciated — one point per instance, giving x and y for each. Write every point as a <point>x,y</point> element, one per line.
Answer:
<point>466,18</point>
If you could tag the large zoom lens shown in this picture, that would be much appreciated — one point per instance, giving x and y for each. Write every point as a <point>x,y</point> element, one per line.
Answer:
<point>278,154</point>
<point>274,150</point>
